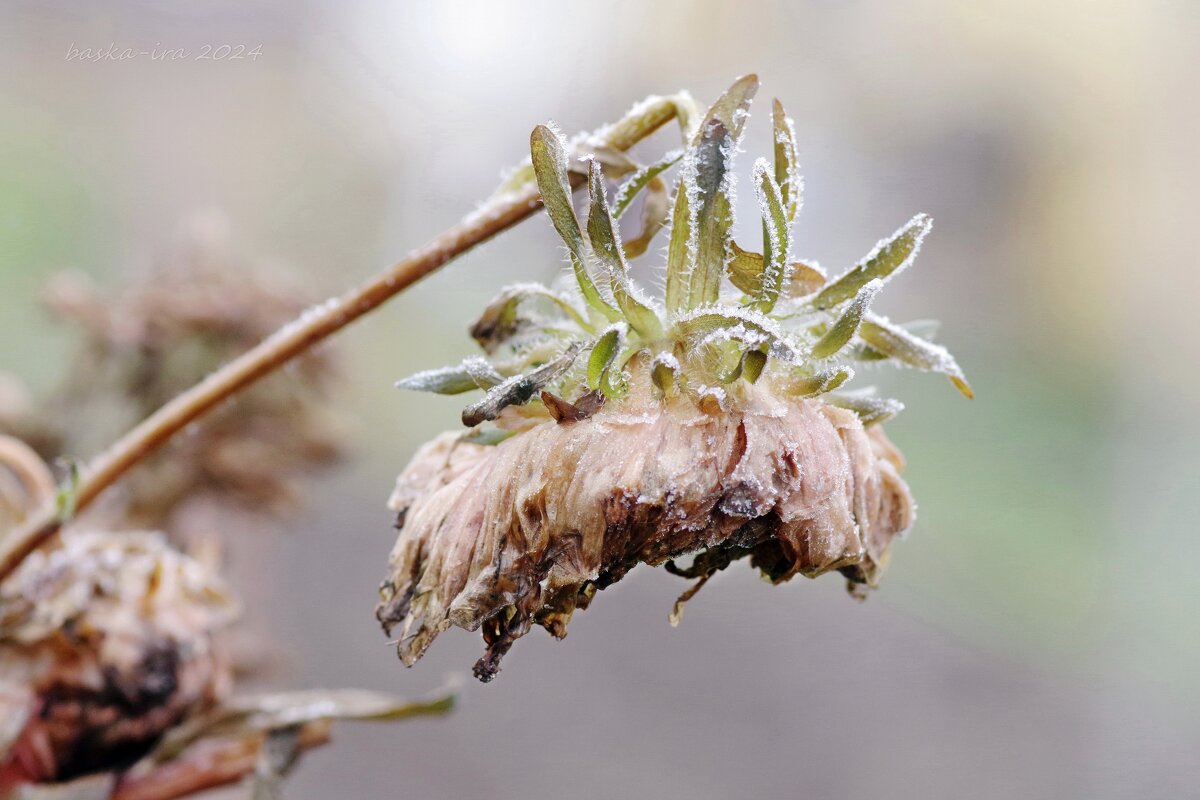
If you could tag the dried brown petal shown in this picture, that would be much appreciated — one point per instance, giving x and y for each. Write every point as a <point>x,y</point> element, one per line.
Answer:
<point>498,538</point>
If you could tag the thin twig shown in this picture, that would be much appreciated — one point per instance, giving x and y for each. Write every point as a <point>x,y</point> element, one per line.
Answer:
<point>311,327</point>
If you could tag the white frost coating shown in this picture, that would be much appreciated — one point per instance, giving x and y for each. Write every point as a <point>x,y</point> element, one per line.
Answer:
<point>739,334</point>
<point>481,371</point>
<point>428,380</point>
<point>621,328</point>
<point>306,317</point>
<point>666,359</point>
<point>866,295</point>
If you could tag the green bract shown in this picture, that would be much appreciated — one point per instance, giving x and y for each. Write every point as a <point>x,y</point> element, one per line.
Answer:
<point>728,314</point>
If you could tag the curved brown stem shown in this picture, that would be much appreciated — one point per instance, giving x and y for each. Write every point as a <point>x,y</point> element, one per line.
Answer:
<point>27,466</point>
<point>496,215</point>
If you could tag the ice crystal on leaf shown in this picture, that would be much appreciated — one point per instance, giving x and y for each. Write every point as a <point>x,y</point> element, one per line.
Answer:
<point>635,430</point>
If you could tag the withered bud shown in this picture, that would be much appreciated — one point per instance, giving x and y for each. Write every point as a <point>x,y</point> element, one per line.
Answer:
<point>499,538</point>
<point>106,641</point>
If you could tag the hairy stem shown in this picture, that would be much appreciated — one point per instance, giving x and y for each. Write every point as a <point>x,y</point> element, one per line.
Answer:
<point>315,324</point>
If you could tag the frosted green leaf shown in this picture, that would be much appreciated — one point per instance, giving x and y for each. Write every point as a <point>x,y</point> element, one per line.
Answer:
<point>550,166</point>
<point>870,410</point>
<point>603,359</point>
<point>702,218</point>
<point>888,258</point>
<point>753,362</point>
<point>640,180</point>
<point>787,167</point>
<point>663,370</point>
<point>893,341</point>
<point>473,373</point>
<point>606,245</point>
<point>655,208</point>
<point>805,385</point>
<point>844,328</point>
<point>742,324</point>
<point>776,239</point>
<point>519,389</point>
<point>732,109</point>
<point>922,328</point>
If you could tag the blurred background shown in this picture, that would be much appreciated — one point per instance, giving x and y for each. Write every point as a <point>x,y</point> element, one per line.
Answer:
<point>1038,634</point>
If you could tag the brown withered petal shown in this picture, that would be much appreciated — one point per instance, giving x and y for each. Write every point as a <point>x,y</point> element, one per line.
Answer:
<point>525,532</point>
<point>105,642</point>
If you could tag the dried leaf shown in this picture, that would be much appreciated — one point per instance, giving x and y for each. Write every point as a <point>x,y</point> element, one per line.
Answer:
<point>501,320</point>
<point>746,267</point>
<point>519,389</point>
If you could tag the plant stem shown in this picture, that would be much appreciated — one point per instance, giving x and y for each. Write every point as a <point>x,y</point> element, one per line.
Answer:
<point>315,324</point>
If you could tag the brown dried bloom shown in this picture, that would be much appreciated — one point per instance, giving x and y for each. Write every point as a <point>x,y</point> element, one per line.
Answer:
<point>192,312</point>
<point>707,425</point>
<point>106,641</point>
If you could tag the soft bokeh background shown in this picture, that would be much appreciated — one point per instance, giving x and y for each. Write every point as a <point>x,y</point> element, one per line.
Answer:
<point>1038,633</point>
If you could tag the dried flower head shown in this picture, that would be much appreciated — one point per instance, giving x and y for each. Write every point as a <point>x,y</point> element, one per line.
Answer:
<point>193,311</point>
<point>106,641</point>
<point>628,430</point>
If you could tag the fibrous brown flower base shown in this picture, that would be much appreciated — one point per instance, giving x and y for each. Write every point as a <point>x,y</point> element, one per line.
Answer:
<point>526,531</point>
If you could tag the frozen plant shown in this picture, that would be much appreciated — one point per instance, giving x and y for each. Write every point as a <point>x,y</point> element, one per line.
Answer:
<point>618,429</point>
